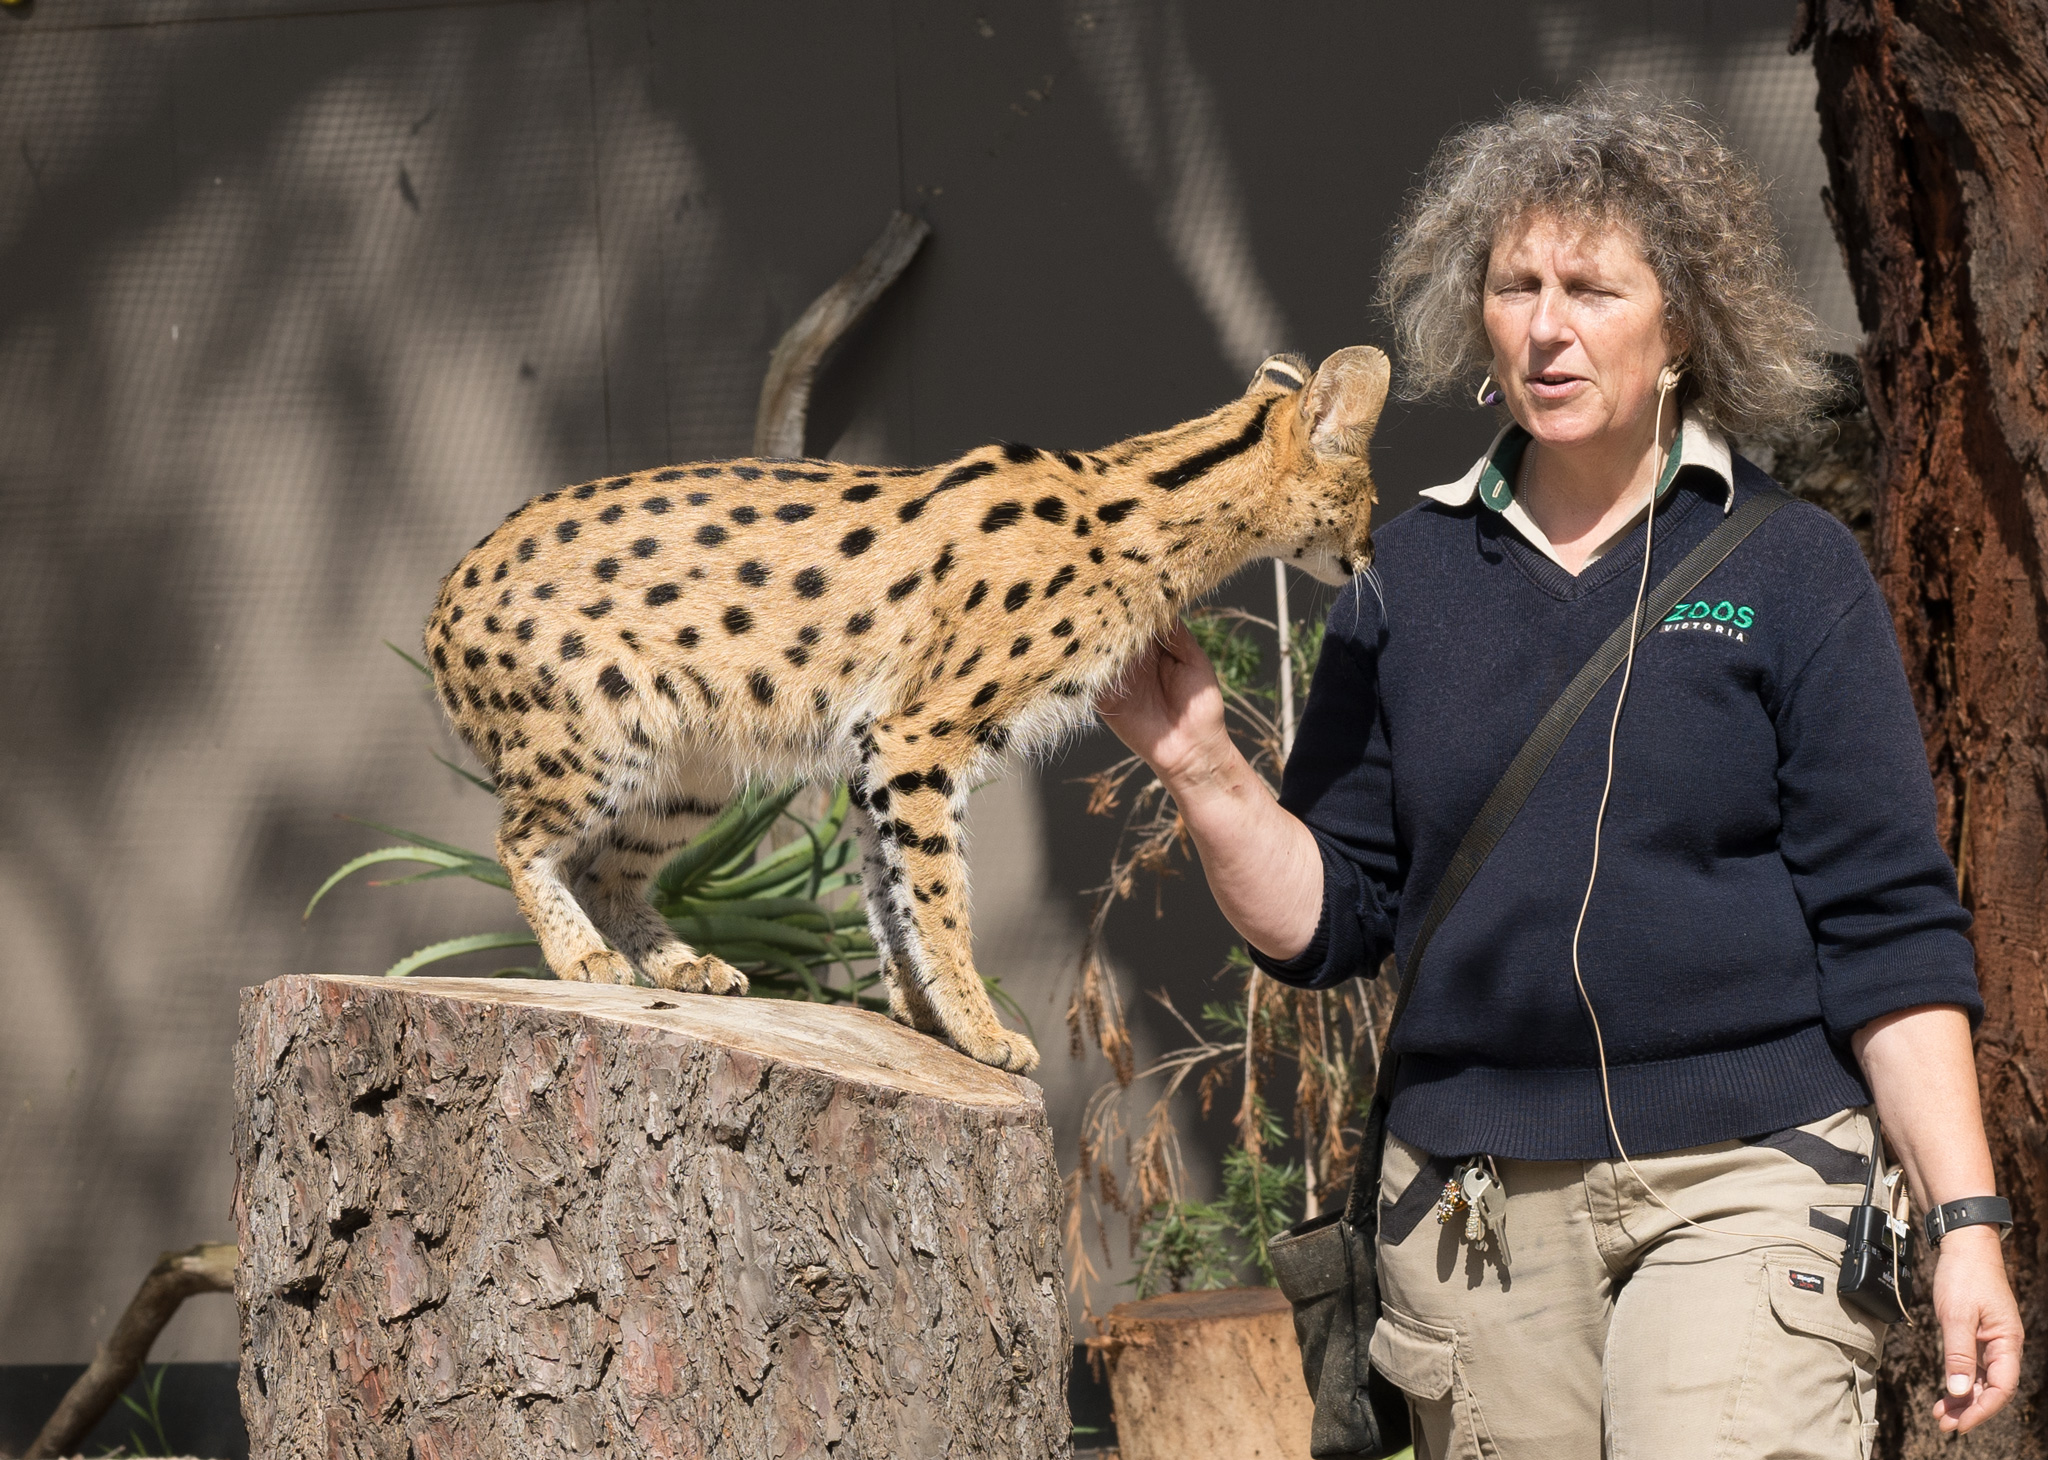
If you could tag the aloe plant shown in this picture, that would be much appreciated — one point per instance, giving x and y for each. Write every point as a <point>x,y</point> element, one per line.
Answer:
<point>778,915</point>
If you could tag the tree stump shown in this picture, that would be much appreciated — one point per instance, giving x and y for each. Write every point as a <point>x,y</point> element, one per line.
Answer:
<point>1207,1376</point>
<point>507,1218</point>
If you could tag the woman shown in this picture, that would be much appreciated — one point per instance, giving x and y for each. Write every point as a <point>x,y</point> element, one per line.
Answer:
<point>1772,940</point>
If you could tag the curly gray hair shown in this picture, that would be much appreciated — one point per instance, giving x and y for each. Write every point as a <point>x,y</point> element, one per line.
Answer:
<point>1613,156</point>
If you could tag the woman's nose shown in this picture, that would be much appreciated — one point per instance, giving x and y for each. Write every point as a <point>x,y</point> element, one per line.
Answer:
<point>1550,323</point>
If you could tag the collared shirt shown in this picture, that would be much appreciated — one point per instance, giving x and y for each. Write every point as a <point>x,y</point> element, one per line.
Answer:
<point>1698,445</point>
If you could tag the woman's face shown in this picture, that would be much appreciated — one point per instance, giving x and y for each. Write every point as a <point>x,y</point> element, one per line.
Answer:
<point>1576,319</point>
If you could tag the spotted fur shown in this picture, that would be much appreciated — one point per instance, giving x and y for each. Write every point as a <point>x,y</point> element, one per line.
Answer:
<point>626,654</point>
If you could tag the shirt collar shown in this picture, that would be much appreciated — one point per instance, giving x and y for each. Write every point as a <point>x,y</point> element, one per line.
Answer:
<point>1491,478</point>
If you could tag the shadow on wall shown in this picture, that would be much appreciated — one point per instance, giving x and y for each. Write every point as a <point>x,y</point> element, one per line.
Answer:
<point>299,303</point>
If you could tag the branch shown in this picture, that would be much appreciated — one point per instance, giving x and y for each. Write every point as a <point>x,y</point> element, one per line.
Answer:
<point>786,389</point>
<point>207,1268</point>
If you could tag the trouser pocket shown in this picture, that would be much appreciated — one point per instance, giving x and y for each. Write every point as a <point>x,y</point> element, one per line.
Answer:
<point>1421,1360</point>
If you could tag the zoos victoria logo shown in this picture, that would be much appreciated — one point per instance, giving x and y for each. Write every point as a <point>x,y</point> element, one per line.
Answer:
<point>1729,619</point>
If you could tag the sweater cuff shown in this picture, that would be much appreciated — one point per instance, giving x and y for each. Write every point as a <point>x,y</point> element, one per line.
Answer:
<point>1933,967</point>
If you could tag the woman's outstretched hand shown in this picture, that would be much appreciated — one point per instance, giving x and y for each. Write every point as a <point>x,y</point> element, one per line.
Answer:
<point>1168,707</point>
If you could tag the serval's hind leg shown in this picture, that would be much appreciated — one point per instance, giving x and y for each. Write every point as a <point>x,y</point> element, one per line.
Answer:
<point>540,858</point>
<point>635,846</point>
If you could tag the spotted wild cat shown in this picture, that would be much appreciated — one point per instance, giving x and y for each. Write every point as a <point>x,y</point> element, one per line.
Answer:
<point>625,655</point>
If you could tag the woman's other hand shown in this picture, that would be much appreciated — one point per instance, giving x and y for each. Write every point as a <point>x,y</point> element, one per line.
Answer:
<point>1168,707</point>
<point>1980,1328</point>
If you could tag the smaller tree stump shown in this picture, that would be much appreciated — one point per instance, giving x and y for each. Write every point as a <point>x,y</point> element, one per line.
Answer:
<point>501,1218</point>
<point>1207,1376</point>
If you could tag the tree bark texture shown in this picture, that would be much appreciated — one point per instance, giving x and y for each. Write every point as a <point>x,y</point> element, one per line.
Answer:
<point>1934,116</point>
<point>1207,1376</point>
<point>507,1218</point>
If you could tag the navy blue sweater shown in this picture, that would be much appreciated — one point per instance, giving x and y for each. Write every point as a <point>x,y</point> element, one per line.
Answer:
<point>1769,879</point>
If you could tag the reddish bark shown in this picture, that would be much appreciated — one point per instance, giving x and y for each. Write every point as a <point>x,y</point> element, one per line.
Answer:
<point>1934,116</point>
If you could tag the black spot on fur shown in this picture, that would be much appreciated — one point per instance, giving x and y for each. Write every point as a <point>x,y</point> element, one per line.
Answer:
<point>703,473</point>
<point>544,591</point>
<point>1060,580</point>
<point>656,505</point>
<point>941,729</point>
<point>753,573</point>
<point>1017,596</point>
<point>1094,556</point>
<point>662,593</point>
<point>474,658</point>
<point>1002,515</point>
<point>585,492</point>
<point>793,511</point>
<point>646,547</point>
<point>903,587</point>
<point>596,610</point>
<point>1070,461</point>
<point>697,499</point>
<point>797,654</point>
<point>572,646</point>
<point>1021,645</point>
<point>737,620</point>
<point>612,513</point>
<point>673,474</point>
<point>747,473</point>
<point>526,549</point>
<point>745,516</point>
<point>975,594</point>
<point>861,493</point>
<point>566,531</point>
<point>943,564</point>
<point>857,541</point>
<point>809,582</point>
<point>614,684</point>
<point>499,575</point>
<point>470,579</point>
<point>987,692</point>
<point>1118,510</point>
<point>809,634</point>
<point>606,569</point>
<point>762,687</point>
<point>860,623</point>
<point>1061,629</point>
<point>710,535</point>
<point>967,664</point>
<point>1071,649</point>
<point>1050,509</point>
<point>1018,452</point>
<point>441,655</point>
<point>687,636</point>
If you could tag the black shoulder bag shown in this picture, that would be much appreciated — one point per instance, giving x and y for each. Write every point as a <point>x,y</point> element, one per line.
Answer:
<point>1328,1265</point>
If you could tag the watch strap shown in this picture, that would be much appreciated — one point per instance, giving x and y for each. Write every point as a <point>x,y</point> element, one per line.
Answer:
<point>1971,1211</point>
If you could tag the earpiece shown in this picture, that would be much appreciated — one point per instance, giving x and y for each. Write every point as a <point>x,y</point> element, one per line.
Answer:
<point>1489,393</point>
<point>1668,378</point>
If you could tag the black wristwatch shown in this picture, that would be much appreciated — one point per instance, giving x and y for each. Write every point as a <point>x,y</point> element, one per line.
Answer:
<point>1971,1211</point>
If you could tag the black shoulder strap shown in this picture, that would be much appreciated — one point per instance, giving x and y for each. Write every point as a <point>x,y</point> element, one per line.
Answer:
<point>1527,768</point>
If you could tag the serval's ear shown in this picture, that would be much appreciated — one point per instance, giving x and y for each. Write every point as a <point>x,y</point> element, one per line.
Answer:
<point>1286,371</point>
<point>1343,400</point>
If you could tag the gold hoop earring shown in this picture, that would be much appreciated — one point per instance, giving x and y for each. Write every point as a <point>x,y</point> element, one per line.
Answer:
<point>1488,393</point>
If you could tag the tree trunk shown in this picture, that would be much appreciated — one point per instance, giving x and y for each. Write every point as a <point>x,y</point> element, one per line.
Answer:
<point>1207,1376</point>
<point>1934,116</point>
<point>518,1219</point>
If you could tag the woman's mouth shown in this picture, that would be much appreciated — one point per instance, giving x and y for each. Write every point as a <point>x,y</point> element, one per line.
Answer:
<point>1553,385</point>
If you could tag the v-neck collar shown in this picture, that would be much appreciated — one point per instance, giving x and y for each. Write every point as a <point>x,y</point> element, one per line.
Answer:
<point>1551,576</point>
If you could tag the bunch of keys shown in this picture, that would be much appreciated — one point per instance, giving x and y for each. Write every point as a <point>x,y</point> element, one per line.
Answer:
<point>1475,1189</point>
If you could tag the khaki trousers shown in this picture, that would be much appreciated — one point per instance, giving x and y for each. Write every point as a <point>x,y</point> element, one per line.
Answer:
<point>1615,1329</point>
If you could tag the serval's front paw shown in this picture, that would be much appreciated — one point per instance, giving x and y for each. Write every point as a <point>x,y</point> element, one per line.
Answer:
<point>694,973</point>
<point>1006,1049</point>
<point>603,966</point>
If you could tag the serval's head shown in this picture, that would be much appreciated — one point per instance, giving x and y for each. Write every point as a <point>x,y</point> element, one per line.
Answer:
<point>1317,510</point>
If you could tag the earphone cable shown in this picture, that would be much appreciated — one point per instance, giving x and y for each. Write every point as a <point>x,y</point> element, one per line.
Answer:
<point>1665,383</point>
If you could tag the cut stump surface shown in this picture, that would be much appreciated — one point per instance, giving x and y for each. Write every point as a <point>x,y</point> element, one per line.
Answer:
<point>502,1218</point>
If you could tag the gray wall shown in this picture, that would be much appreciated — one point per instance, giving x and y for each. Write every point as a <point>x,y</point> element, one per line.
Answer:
<point>295,303</point>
